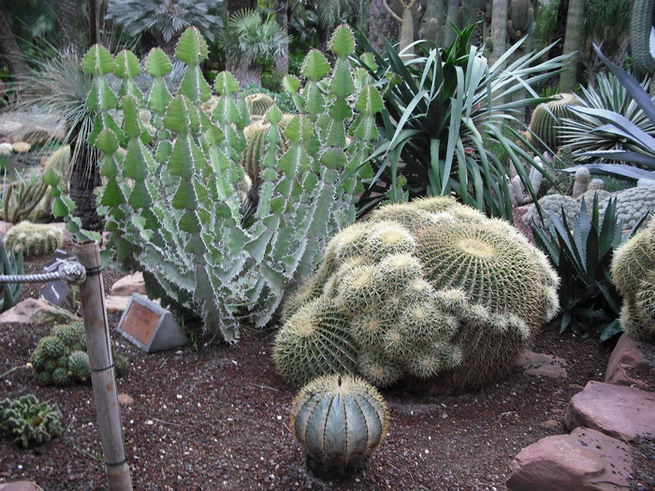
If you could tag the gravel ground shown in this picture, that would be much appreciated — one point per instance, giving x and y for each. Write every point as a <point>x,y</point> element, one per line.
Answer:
<point>216,417</point>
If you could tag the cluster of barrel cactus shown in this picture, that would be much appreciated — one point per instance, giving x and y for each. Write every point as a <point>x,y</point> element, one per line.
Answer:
<point>33,239</point>
<point>29,422</point>
<point>338,420</point>
<point>61,359</point>
<point>431,290</point>
<point>173,198</point>
<point>633,273</point>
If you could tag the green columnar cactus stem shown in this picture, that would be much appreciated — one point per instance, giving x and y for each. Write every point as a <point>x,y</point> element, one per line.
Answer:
<point>29,422</point>
<point>338,420</point>
<point>546,118</point>
<point>198,232</point>
<point>641,24</point>
<point>33,239</point>
<point>521,15</point>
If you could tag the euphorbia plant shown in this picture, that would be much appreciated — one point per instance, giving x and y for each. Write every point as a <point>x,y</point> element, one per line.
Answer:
<point>171,200</point>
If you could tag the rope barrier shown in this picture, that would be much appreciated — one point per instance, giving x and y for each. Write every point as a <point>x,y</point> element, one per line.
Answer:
<point>69,270</point>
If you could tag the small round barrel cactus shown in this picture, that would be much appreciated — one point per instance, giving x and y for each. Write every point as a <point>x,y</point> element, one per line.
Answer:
<point>338,420</point>
<point>546,118</point>
<point>633,273</point>
<point>258,104</point>
<point>33,239</point>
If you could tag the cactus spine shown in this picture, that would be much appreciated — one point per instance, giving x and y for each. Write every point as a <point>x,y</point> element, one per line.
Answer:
<point>338,420</point>
<point>546,118</point>
<point>633,273</point>
<point>33,239</point>
<point>427,290</point>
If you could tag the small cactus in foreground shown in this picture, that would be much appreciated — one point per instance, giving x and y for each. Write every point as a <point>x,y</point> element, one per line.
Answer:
<point>61,358</point>
<point>339,420</point>
<point>29,422</point>
<point>33,239</point>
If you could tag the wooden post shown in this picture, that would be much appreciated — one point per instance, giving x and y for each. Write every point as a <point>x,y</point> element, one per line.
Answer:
<point>92,295</point>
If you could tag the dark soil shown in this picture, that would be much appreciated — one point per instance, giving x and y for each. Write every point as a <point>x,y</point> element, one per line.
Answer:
<point>217,417</point>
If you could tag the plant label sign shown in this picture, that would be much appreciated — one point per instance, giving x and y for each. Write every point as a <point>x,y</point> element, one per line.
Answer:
<point>56,291</point>
<point>149,326</point>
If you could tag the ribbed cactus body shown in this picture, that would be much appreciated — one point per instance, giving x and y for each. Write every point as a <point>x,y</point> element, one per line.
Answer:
<point>338,420</point>
<point>258,104</point>
<point>633,274</point>
<point>434,295</point>
<point>315,341</point>
<point>33,239</point>
<point>632,204</point>
<point>641,23</point>
<point>546,118</point>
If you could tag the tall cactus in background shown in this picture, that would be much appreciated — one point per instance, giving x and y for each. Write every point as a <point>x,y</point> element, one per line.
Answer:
<point>642,18</point>
<point>406,21</point>
<point>171,199</point>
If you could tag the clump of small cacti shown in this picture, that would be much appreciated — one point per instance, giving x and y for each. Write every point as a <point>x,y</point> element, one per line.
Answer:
<point>430,290</point>
<point>633,273</point>
<point>339,420</point>
<point>546,118</point>
<point>33,239</point>
<point>632,204</point>
<point>29,422</point>
<point>61,359</point>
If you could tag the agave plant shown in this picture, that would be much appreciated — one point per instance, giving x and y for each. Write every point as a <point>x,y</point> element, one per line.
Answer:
<point>442,111</point>
<point>638,145</point>
<point>581,251</point>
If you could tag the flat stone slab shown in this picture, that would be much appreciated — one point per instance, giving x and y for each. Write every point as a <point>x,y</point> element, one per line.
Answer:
<point>584,460</point>
<point>128,285</point>
<point>631,363</point>
<point>36,311</point>
<point>540,364</point>
<point>20,486</point>
<point>626,413</point>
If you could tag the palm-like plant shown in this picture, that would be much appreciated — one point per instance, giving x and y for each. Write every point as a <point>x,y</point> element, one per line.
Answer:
<point>59,86</point>
<point>581,134</point>
<point>442,111</point>
<point>254,40</point>
<point>637,143</point>
<point>163,21</point>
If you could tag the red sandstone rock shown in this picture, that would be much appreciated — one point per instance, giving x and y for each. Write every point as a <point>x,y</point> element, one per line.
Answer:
<point>36,311</point>
<point>626,413</point>
<point>628,359</point>
<point>584,460</point>
<point>20,486</point>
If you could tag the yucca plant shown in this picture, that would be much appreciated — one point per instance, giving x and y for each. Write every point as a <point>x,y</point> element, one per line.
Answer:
<point>441,112</point>
<point>637,144</point>
<point>581,252</point>
<point>171,197</point>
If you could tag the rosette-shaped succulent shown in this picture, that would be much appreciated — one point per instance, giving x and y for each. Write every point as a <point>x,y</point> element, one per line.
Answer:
<point>445,296</point>
<point>633,273</point>
<point>338,420</point>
